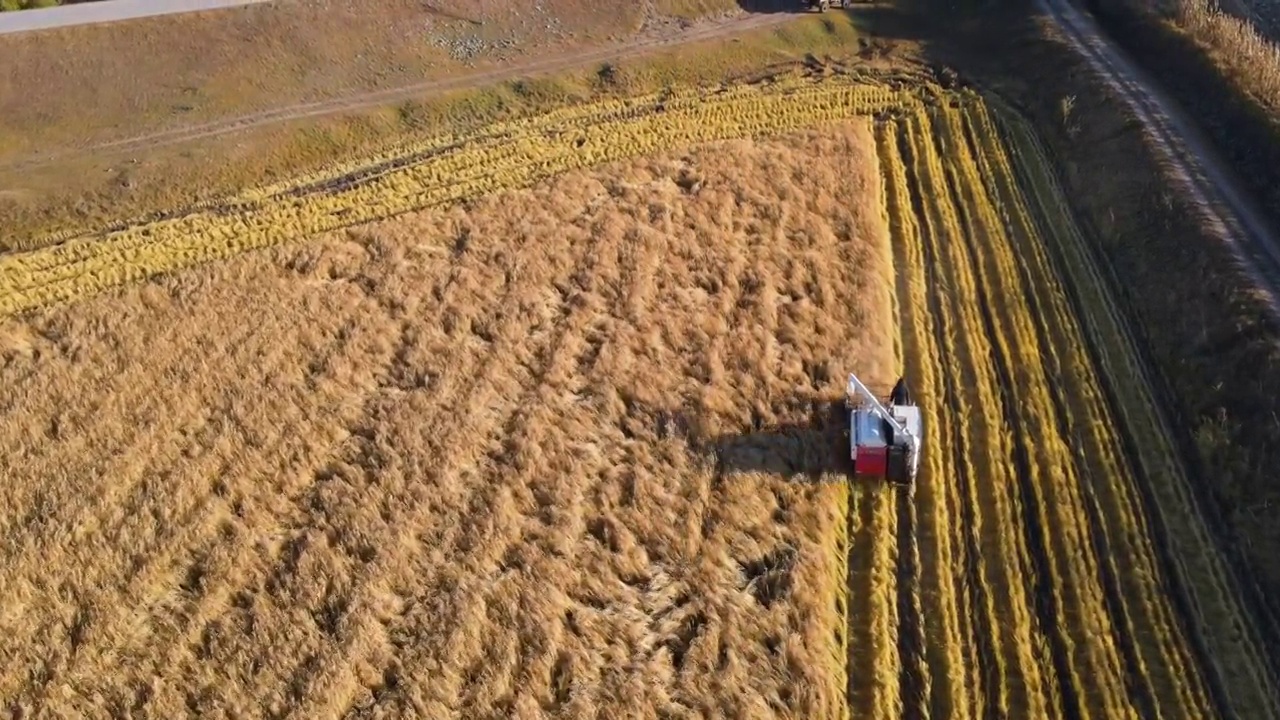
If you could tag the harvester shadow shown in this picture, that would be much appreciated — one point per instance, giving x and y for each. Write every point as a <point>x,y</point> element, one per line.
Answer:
<point>811,450</point>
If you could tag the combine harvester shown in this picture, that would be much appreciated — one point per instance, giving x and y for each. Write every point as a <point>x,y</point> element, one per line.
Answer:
<point>824,5</point>
<point>884,442</point>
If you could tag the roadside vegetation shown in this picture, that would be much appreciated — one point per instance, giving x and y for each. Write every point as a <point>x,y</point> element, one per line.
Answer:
<point>48,183</point>
<point>35,4</point>
<point>6,5</point>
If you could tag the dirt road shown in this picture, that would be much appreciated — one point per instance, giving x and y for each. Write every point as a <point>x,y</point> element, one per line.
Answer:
<point>1189,161</point>
<point>102,12</point>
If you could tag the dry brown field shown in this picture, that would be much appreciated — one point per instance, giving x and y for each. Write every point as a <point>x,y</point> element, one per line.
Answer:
<point>538,454</point>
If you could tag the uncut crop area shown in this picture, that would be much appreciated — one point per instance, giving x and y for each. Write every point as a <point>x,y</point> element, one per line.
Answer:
<point>567,448</point>
<point>459,460</point>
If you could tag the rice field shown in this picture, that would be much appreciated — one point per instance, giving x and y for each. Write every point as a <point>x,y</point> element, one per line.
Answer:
<point>538,421</point>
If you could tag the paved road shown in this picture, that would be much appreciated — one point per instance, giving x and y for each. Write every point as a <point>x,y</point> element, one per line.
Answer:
<point>105,11</point>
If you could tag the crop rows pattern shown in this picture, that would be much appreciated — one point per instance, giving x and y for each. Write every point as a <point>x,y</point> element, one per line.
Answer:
<point>1066,572</point>
<point>1051,562</point>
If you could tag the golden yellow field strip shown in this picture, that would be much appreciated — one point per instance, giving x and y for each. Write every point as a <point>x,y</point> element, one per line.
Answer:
<point>1045,494</point>
<point>979,437</point>
<point>935,595</point>
<point>1020,353</point>
<point>1166,667</point>
<point>956,651</point>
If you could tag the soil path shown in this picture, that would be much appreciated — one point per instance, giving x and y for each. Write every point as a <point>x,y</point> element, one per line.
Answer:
<point>1189,161</point>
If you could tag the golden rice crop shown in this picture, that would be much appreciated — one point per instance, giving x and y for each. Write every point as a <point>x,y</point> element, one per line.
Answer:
<point>1231,642</point>
<point>565,448</point>
<point>539,455</point>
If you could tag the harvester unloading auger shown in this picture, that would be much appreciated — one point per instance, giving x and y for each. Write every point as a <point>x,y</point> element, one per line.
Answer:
<point>884,442</point>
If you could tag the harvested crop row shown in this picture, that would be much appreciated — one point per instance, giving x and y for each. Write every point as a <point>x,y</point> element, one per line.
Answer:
<point>1047,474</point>
<point>1127,561</point>
<point>1038,530</point>
<point>953,652</point>
<point>1231,652</point>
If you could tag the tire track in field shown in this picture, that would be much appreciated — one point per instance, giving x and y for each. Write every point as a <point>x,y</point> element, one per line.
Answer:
<point>1006,560</point>
<point>898,202</point>
<point>973,231</point>
<point>1022,283</point>
<point>957,222</point>
<point>913,673</point>
<point>874,627</point>
<point>913,693</point>
<point>942,702</point>
<point>1161,675</point>
<point>913,690</point>
<point>938,590</point>
<point>1045,604</point>
<point>1049,607</point>
<point>990,250</point>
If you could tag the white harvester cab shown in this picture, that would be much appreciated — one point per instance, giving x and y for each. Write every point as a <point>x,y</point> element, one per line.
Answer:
<point>884,442</point>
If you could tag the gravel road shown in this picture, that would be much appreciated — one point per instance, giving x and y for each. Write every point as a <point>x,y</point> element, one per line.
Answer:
<point>105,11</point>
